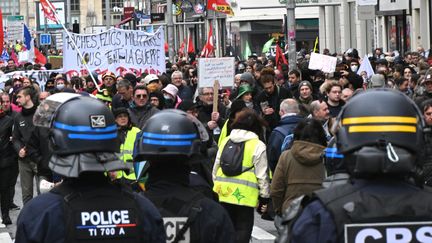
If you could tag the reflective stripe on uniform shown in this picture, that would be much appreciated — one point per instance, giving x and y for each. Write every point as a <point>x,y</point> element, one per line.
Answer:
<point>126,150</point>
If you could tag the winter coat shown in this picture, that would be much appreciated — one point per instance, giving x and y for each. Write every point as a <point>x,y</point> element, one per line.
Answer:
<point>299,171</point>
<point>7,153</point>
<point>139,115</point>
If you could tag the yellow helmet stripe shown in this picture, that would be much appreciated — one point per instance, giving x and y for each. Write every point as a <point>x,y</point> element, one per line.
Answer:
<point>382,128</point>
<point>379,119</point>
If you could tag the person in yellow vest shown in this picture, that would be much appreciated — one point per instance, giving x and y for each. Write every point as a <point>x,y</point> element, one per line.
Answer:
<point>127,135</point>
<point>248,189</point>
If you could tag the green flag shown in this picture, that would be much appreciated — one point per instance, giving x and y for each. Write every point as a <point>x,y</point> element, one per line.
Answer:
<point>247,52</point>
<point>267,45</point>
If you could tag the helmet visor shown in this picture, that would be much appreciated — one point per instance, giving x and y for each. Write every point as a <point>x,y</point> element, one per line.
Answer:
<point>46,110</point>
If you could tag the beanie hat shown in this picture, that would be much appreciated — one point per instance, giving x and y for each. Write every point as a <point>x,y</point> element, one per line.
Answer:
<point>171,89</point>
<point>236,106</point>
<point>120,110</point>
<point>305,83</point>
<point>109,74</point>
<point>247,76</point>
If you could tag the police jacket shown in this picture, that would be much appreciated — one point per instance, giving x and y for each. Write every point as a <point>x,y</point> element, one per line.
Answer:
<point>170,192</point>
<point>7,153</point>
<point>23,128</point>
<point>362,202</point>
<point>43,218</point>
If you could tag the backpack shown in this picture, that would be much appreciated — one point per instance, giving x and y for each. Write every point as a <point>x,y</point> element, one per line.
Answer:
<point>231,159</point>
<point>288,138</point>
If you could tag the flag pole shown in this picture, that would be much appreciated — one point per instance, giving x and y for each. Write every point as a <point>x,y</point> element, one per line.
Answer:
<point>76,48</point>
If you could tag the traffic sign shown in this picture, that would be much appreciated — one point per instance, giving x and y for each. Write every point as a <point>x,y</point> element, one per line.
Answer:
<point>45,39</point>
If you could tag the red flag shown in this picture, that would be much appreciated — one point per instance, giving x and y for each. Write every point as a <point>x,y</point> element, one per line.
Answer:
<point>166,47</point>
<point>48,9</point>
<point>181,51</point>
<point>280,57</point>
<point>39,57</point>
<point>208,48</point>
<point>1,33</point>
<point>190,47</point>
<point>220,6</point>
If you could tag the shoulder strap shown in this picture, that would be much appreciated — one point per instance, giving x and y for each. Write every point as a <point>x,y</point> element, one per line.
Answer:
<point>194,211</point>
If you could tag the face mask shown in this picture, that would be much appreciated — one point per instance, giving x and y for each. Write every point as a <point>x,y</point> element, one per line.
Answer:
<point>60,86</point>
<point>167,97</point>
<point>249,105</point>
<point>354,68</point>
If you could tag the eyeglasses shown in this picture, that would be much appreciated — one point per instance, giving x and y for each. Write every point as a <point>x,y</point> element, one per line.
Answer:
<point>141,96</point>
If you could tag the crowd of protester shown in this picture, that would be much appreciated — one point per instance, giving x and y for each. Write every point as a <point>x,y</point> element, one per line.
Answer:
<point>301,102</point>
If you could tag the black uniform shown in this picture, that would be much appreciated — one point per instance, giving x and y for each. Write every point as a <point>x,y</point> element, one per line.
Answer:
<point>170,192</point>
<point>89,209</point>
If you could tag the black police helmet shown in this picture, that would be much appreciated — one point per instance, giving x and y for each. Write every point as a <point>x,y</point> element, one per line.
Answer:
<point>333,160</point>
<point>380,132</point>
<point>84,124</point>
<point>169,134</point>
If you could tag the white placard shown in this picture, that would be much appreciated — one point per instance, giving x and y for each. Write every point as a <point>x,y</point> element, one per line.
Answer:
<point>211,69</point>
<point>116,50</point>
<point>322,62</point>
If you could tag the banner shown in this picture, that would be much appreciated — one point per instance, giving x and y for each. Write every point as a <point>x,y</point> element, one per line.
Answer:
<point>40,76</point>
<point>115,50</point>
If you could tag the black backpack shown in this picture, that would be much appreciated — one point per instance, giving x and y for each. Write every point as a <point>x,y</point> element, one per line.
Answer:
<point>231,159</point>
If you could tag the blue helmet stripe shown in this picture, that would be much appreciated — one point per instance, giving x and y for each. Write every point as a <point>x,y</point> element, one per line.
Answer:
<point>169,136</point>
<point>167,143</point>
<point>92,136</point>
<point>334,155</point>
<point>72,128</point>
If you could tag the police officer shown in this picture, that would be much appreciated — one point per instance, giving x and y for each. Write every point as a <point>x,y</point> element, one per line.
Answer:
<point>85,207</point>
<point>379,134</point>
<point>168,141</point>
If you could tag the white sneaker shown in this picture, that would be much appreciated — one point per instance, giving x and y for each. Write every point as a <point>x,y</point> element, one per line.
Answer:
<point>45,186</point>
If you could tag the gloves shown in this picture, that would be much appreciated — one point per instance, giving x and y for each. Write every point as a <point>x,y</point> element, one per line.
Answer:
<point>262,205</point>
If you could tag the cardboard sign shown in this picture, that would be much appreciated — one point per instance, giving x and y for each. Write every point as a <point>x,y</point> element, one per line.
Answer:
<point>321,62</point>
<point>56,61</point>
<point>212,69</point>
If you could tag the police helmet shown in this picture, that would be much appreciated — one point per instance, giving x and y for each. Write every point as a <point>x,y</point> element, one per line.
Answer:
<point>169,133</point>
<point>380,132</point>
<point>83,134</point>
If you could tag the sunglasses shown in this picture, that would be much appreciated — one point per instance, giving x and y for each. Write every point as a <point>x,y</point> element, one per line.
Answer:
<point>141,96</point>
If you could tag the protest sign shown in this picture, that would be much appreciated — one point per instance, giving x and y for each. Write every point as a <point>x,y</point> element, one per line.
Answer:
<point>212,69</point>
<point>115,50</point>
<point>40,76</point>
<point>321,62</point>
<point>366,67</point>
<point>56,61</point>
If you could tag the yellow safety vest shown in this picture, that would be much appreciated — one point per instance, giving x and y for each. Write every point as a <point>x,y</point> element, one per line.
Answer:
<point>126,151</point>
<point>242,189</point>
<point>223,134</point>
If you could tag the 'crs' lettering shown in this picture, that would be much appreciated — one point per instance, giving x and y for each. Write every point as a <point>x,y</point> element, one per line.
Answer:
<point>105,218</point>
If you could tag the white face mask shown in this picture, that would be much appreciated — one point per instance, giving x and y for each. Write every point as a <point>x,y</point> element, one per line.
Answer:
<point>167,97</point>
<point>60,86</point>
<point>354,68</point>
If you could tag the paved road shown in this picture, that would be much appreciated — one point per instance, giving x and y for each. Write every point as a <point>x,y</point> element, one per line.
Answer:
<point>263,224</point>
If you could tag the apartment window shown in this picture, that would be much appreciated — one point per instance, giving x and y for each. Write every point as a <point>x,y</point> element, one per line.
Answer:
<point>75,5</point>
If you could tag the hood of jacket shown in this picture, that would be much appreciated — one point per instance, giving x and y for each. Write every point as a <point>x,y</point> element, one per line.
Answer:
<point>240,135</point>
<point>307,153</point>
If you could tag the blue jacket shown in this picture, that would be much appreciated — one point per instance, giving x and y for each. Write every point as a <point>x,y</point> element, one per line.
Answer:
<point>286,125</point>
